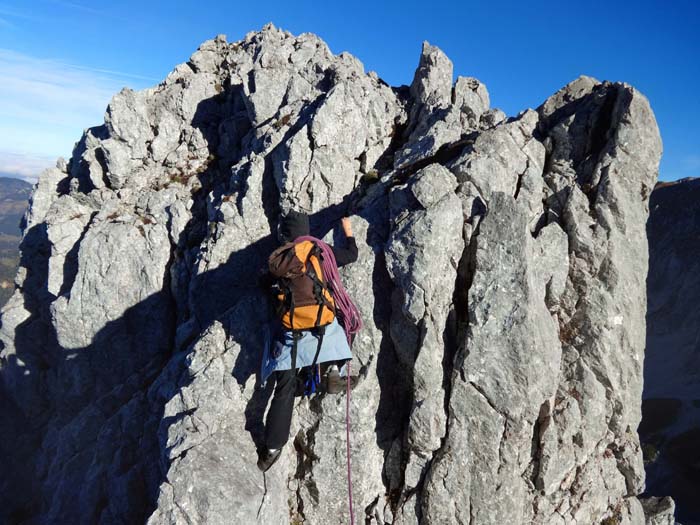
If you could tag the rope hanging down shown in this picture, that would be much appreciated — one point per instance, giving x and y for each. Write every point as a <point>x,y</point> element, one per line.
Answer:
<point>349,318</point>
<point>347,445</point>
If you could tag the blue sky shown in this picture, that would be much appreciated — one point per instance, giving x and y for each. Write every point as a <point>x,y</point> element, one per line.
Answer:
<point>60,61</point>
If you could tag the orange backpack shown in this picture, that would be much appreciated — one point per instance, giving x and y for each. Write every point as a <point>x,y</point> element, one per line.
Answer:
<point>304,300</point>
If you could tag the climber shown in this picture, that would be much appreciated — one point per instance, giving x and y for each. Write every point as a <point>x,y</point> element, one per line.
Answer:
<point>308,331</point>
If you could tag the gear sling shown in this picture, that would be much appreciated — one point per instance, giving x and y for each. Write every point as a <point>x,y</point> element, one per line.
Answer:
<point>304,301</point>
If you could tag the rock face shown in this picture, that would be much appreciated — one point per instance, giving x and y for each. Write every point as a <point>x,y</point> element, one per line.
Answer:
<point>671,408</point>
<point>500,277</point>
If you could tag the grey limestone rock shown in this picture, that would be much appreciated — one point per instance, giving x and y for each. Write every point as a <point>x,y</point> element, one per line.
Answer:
<point>500,279</point>
<point>423,253</point>
<point>659,511</point>
<point>440,113</point>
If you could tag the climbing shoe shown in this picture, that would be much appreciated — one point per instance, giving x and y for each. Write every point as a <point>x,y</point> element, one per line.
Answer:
<point>267,458</point>
<point>336,384</point>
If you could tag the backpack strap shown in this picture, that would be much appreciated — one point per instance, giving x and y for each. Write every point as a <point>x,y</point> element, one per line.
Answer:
<point>296,335</point>
<point>314,377</point>
<point>319,287</point>
<point>289,297</point>
<point>321,332</point>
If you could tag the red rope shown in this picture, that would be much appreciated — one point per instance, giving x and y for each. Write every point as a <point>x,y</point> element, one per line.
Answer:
<point>347,441</point>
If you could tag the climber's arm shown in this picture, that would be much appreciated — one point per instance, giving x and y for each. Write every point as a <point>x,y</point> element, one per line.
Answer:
<point>348,254</point>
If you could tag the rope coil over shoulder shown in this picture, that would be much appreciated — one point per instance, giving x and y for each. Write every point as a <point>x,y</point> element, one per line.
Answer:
<point>347,312</point>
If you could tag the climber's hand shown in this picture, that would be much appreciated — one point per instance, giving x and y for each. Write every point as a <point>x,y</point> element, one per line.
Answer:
<point>347,227</point>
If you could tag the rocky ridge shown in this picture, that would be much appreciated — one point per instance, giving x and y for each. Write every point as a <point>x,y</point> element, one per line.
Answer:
<point>501,279</point>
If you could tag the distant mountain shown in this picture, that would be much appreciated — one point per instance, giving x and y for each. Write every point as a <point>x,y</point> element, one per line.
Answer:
<point>14,196</point>
<point>670,429</point>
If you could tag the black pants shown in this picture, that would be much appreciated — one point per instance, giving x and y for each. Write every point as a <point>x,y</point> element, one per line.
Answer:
<point>279,417</point>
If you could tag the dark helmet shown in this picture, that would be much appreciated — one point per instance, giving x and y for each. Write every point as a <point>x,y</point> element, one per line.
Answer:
<point>294,224</point>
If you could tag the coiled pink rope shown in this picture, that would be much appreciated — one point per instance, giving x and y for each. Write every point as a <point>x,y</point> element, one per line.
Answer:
<point>348,314</point>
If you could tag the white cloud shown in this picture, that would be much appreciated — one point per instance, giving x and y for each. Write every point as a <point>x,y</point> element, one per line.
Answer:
<point>11,12</point>
<point>45,104</point>
<point>27,167</point>
<point>79,7</point>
